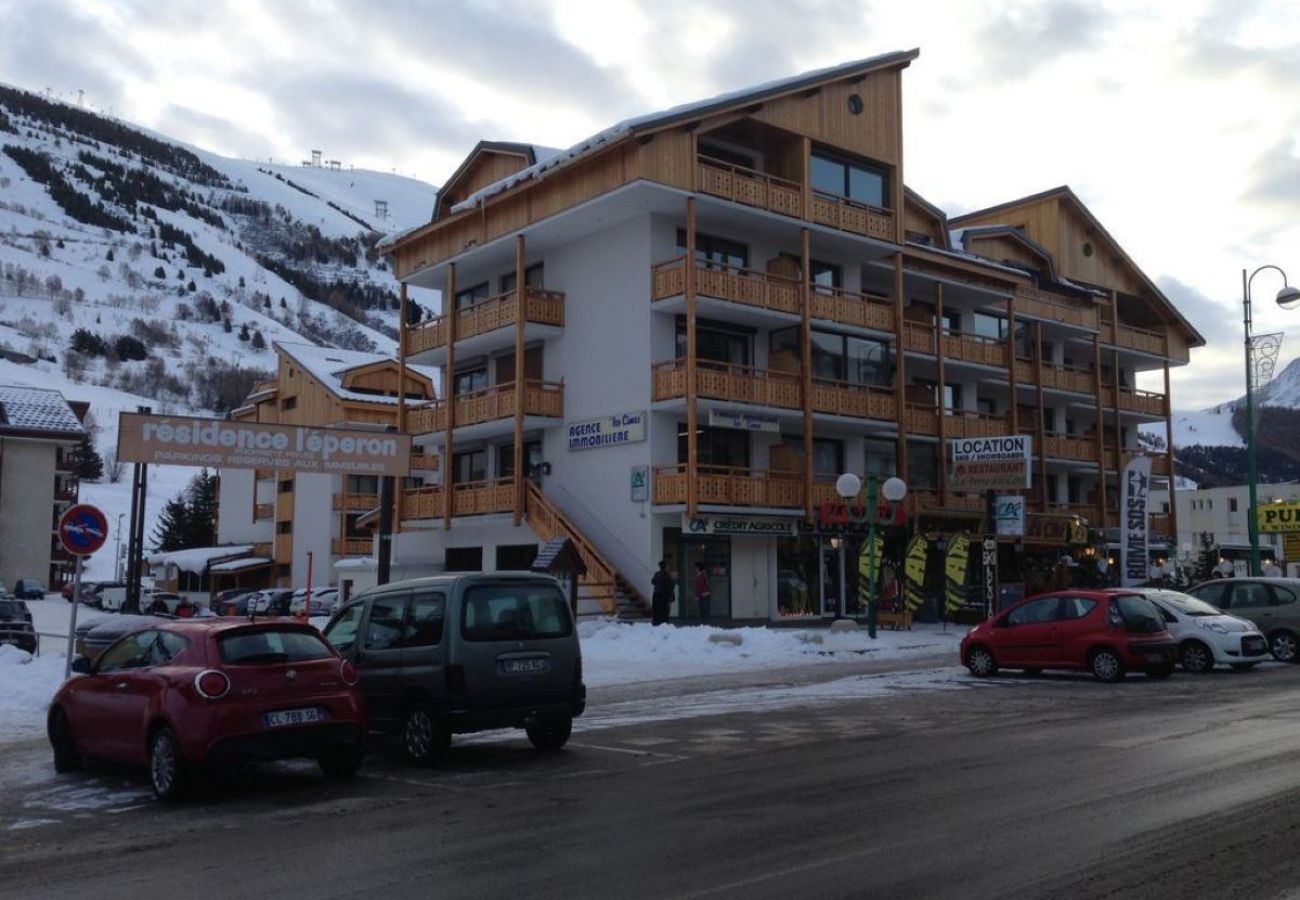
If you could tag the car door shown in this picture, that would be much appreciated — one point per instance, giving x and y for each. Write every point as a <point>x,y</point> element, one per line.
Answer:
<point>1030,634</point>
<point>379,658</point>
<point>1286,610</point>
<point>1254,601</point>
<point>109,699</point>
<point>422,639</point>
<point>1078,621</point>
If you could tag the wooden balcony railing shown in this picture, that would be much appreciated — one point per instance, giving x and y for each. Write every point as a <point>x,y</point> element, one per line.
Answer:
<point>850,215</point>
<point>1147,403</point>
<point>1135,338</point>
<point>471,498</point>
<point>1087,511</point>
<point>975,348</point>
<point>719,381</point>
<point>351,546</point>
<point>860,401</point>
<point>262,549</point>
<point>355,502</point>
<point>1062,378</point>
<point>757,289</point>
<point>423,503</point>
<point>1068,446</point>
<point>1159,461</point>
<point>919,337</point>
<point>540,306</point>
<point>263,511</point>
<point>851,308</point>
<point>541,398</point>
<point>750,187</point>
<point>969,424</point>
<point>922,418</point>
<point>1039,304</point>
<point>726,486</point>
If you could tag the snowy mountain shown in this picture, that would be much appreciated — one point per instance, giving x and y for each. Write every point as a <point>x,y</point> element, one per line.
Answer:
<point>135,270</point>
<point>1214,427</point>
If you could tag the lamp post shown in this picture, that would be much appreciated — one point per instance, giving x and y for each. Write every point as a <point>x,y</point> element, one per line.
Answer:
<point>847,486</point>
<point>117,551</point>
<point>1267,345</point>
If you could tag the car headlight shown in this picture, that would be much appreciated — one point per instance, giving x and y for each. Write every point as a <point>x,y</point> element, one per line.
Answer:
<point>1216,627</point>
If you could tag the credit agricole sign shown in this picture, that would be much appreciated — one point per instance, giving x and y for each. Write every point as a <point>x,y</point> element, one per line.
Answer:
<point>216,443</point>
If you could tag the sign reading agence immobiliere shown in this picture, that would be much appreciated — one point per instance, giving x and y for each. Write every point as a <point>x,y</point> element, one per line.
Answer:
<point>217,443</point>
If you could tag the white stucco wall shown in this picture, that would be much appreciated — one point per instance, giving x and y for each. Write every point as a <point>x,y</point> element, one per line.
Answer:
<point>314,523</point>
<point>26,509</point>
<point>237,497</point>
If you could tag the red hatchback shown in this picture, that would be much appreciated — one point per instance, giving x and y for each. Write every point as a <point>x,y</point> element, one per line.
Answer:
<point>177,696</point>
<point>1106,632</point>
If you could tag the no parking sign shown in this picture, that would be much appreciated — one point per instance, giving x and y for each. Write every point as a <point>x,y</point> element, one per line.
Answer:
<point>83,529</point>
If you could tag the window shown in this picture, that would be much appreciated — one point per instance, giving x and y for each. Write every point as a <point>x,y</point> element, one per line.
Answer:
<point>342,632</point>
<point>715,342</point>
<point>1076,607</point>
<point>469,466</point>
<point>285,527</point>
<point>515,612</point>
<point>134,652</point>
<point>716,252</point>
<point>726,154</point>
<point>835,357</point>
<point>506,459</point>
<point>515,557</point>
<point>881,457</point>
<point>428,612</point>
<point>386,624</point>
<point>1034,612</point>
<point>533,277</point>
<point>286,486</point>
<point>1282,596</point>
<point>271,645</point>
<point>986,405</point>
<point>1232,504</point>
<point>922,464</point>
<point>828,454</point>
<point>716,447</point>
<point>1212,593</point>
<point>990,326</point>
<point>363,484</point>
<point>825,275</point>
<point>289,403</point>
<point>854,181</point>
<point>471,295</point>
<point>471,380</point>
<point>463,559</point>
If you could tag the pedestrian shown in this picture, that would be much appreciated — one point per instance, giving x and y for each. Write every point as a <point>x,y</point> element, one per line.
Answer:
<point>1271,569</point>
<point>662,597</point>
<point>703,592</point>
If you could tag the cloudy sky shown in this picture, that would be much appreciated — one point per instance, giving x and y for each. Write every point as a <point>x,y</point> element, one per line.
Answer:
<point>1176,122</point>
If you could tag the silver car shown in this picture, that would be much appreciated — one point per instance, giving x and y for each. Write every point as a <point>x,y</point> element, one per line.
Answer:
<point>1273,604</point>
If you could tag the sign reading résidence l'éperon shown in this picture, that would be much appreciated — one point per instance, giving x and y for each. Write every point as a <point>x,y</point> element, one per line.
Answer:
<point>217,443</point>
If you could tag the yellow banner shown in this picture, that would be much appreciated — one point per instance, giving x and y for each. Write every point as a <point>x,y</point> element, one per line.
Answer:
<point>1278,517</point>
<point>954,567</point>
<point>869,558</point>
<point>914,572</point>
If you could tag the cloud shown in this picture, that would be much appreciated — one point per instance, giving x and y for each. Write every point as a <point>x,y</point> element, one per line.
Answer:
<point>1273,179</point>
<point>1025,37</point>
<point>1204,314</point>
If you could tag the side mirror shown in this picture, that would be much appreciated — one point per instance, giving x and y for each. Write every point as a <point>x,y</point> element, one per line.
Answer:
<point>82,666</point>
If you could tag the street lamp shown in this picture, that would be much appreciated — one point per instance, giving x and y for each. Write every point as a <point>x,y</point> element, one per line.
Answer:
<point>847,486</point>
<point>117,551</point>
<point>1266,346</point>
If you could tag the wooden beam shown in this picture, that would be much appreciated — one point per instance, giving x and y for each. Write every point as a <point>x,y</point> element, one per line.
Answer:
<point>401,405</point>
<point>900,193</point>
<point>805,353</point>
<point>1013,414</point>
<point>1169,451</point>
<point>900,368</point>
<point>939,400</point>
<point>1099,424</point>
<point>1040,437</point>
<point>692,386</point>
<point>449,396</point>
<point>521,306</point>
<point>807,179</point>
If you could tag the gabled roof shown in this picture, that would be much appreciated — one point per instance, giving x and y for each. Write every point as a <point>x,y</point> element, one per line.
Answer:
<point>532,154</point>
<point>911,196</point>
<point>1068,196</point>
<point>963,236</point>
<point>329,366</point>
<point>37,412</point>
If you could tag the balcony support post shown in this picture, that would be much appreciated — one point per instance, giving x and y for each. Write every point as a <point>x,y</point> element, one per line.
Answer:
<point>692,369</point>
<point>900,366</point>
<point>449,396</point>
<point>521,294</point>
<point>1013,414</point>
<point>941,400</point>
<point>1100,427</point>
<point>1039,426</point>
<point>807,186</point>
<point>805,352</point>
<point>1119,421</point>
<point>1169,454</point>
<point>401,402</point>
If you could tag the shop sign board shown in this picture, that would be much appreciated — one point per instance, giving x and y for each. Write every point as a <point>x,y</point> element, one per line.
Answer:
<point>989,559</point>
<point>1277,518</point>
<point>607,431</point>
<point>838,518</point>
<point>227,444</point>
<point>640,484</point>
<point>743,421</point>
<point>1134,488</point>
<point>739,526</point>
<point>1009,516</point>
<point>990,463</point>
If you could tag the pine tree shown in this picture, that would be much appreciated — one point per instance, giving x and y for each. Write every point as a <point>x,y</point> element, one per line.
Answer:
<point>243,332</point>
<point>172,529</point>
<point>203,509</point>
<point>86,462</point>
<point>258,342</point>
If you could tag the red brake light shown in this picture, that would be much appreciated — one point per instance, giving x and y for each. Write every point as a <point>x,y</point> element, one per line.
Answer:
<point>211,684</point>
<point>348,673</point>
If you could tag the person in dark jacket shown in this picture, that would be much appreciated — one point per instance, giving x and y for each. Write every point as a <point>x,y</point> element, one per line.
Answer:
<point>703,591</point>
<point>661,600</point>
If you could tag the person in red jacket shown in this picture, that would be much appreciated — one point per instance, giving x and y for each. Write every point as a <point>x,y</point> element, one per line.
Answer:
<point>703,592</point>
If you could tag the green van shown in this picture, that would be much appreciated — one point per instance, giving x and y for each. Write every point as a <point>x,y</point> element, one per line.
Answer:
<point>454,654</point>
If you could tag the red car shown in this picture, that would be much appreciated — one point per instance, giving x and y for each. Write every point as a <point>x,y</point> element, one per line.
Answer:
<point>180,695</point>
<point>1105,632</point>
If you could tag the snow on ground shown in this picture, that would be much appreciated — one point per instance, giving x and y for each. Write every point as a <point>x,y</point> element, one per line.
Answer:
<point>26,685</point>
<point>1208,427</point>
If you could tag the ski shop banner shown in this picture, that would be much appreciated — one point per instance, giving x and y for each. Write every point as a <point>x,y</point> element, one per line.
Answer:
<point>1133,521</point>
<point>955,563</point>
<point>990,463</point>
<point>918,550</point>
<point>607,431</point>
<point>989,574</point>
<point>223,444</point>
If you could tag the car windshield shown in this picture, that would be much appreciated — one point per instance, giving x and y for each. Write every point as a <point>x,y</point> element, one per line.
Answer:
<point>11,609</point>
<point>1183,604</point>
<point>1138,614</point>
<point>272,645</point>
<point>503,612</point>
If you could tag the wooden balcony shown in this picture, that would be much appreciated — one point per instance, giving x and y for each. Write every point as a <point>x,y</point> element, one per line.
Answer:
<point>922,418</point>
<point>1067,446</point>
<point>541,398</point>
<point>969,424</point>
<point>1132,337</point>
<point>1147,403</point>
<point>541,307</point>
<point>873,311</point>
<point>738,384</point>
<point>726,486</point>
<point>355,502</point>
<point>860,401</point>
<point>472,498</point>
<point>1159,461</point>
<point>1061,378</point>
<point>780,195</point>
<point>351,546</point>
<point>745,286</point>
<point>1089,512</point>
<point>1038,304</point>
<point>263,511</point>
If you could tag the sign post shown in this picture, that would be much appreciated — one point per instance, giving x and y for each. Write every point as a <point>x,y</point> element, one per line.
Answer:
<point>83,529</point>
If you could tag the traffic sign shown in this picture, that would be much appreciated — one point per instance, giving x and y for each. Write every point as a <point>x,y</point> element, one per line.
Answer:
<point>83,529</point>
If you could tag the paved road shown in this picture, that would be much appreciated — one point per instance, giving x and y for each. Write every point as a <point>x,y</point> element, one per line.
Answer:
<point>1048,787</point>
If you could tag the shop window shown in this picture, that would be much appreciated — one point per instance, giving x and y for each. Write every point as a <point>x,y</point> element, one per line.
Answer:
<point>715,554</point>
<point>463,559</point>
<point>798,586</point>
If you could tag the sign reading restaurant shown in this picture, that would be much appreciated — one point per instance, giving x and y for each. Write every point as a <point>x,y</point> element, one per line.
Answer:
<point>620,428</point>
<point>990,463</point>
<point>217,443</point>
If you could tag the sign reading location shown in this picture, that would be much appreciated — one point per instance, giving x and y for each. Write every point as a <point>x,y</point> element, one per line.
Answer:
<point>83,529</point>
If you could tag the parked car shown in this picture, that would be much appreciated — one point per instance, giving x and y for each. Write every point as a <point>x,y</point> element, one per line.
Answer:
<point>97,633</point>
<point>29,589</point>
<point>93,594</point>
<point>1205,635</point>
<point>236,605</point>
<point>16,625</point>
<point>322,601</point>
<point>183,695</point>
<point>271,602</point>
<point>1106,632</point>
<point>463,653</point>
<point>1271,603</point>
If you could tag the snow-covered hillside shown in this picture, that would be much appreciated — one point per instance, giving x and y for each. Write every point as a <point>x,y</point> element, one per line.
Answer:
<point>137,271</point>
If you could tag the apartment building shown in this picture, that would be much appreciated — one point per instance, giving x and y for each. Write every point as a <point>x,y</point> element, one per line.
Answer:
<point>1219,517</point>
<point>39,430</point>
<point>667,341</point>
<point>284,516</point>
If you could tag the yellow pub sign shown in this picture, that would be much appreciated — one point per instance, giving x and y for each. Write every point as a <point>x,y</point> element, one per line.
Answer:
<point>1279,517</point>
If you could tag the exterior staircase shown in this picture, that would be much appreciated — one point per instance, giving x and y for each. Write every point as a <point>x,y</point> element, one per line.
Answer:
<point>602,586</point>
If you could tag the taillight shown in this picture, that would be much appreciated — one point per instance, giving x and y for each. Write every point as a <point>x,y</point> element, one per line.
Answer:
<point>211,684</point>
<point>348,672</point>
<point>455,678</point>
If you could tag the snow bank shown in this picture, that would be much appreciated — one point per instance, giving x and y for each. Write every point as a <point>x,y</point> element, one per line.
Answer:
<point>26,685</point>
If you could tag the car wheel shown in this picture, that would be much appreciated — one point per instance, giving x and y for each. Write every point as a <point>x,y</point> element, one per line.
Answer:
<point>1242,667</point>
<point>550,734</point>
<point>425,738</point>
<point>342,762</point>
<point>167,769</point>
<point>67,758</point>
<point>981,663</point>
<point>1284,647</point>
<point>1195,657</point>
<point>1106,665</point>
<point>1160,672</point>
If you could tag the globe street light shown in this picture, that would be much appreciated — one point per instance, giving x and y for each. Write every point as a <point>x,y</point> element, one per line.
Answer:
<point>847,486</point>
<point>1265,347</point>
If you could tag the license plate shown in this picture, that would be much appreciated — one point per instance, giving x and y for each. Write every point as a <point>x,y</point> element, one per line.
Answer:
<point>1253,645</point>
<point>524,666</point>
<point>292,717</point>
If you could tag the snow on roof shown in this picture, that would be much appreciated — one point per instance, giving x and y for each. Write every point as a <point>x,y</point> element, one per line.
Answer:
<point>699,107</point>
<point>328,366</point>
<point>196,559</point>
<point>239,565</point>
<point>37,409</point>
